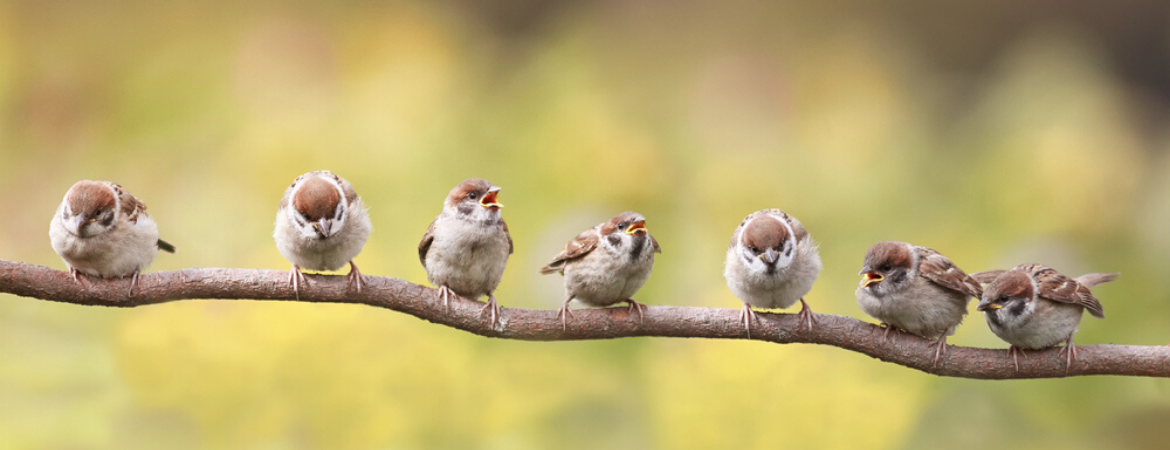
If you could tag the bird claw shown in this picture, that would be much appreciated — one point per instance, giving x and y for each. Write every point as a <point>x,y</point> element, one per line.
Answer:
<point>886,334</point>
<point>355,277</point>
<point>1015,352</point>
<point>636,306</point>
<point>564,314</point>
<point>493,307</point>
<point>747,315</point>
<point>133,282</point>
<point>806,315</point>
<point>940,349</point>
<point>295,277</point>
<point>1070,354</point>
<point>445,294</point>
<point>78,276</point>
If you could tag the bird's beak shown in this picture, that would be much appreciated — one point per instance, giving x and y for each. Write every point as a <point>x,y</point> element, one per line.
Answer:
<point>490,199</point>
<point>322,227</point>
<point>868,278</point>
<point>984,305</point>
<point>78,222</point>
<point>637,227</point>
<point>770,256</point>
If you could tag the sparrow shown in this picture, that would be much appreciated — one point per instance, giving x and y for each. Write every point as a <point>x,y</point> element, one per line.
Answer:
<point>915,289</point>
<point>321,225</point>
<point>101,230</point>
<point>606,264</point>
<point>1034,307</point>
<point>771,263</point>
<point>466,248</point>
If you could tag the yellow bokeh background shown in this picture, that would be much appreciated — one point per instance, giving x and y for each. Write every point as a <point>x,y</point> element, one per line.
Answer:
<point>993,147</point>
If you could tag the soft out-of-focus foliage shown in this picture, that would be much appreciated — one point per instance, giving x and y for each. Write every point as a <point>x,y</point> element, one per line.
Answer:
<point>995,148</point>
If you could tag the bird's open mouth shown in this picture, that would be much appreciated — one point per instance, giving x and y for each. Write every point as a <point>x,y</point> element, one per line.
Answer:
<point>637,227</point>
<point>490,200</point>
<point>869,278</point>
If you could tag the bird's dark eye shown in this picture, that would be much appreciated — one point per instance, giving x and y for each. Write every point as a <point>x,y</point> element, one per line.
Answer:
<point>472,195</point>
<point>1003,298</point>
<point>306,216</point>
<point>754,249</point>
<point>885,267</point>
<point>623,225</point>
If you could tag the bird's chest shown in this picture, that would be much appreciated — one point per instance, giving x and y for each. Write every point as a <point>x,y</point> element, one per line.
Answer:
<point>114,253</point>
<point>632,258</point>
<point>94,250</point>
<point>1035,327</point>
<point>611,272</point>
<point>465,243</point>
<point>468,258</point>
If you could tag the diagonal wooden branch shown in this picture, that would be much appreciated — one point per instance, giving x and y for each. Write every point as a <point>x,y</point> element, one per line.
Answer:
<point>543,325</point>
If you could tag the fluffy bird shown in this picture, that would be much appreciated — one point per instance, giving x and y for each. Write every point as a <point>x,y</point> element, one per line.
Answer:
<point>466,248</point>
<point>321,225</point>
<point>606,264</point>
<point>101,230</point>
<point>1034,307</point>
<point>915,289</point>
<point>771,263</point>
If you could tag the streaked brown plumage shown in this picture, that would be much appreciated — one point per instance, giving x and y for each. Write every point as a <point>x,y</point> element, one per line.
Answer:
<point>606,264</point>
<point>466,248</point>
<point>1034,307</point>
<point>100,229</point>
<point>915,289</point>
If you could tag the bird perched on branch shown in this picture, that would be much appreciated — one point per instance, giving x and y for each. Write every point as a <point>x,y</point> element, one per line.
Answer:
<point>916,290</point>
<point>1034,307</point>
<point>771,263</point>
<point>466,248</point>
<point>321,225</point>
<point>101,230</point>
<point>606,264</point>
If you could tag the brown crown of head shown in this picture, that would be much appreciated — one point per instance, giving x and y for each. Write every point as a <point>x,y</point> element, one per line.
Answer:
<point>1012,283</point>
<point>764,232</point>
<point>88,197</point>
<point>628,218</point>
<point>479,186</point>
<point>894,253</point>
<point>317,198</point>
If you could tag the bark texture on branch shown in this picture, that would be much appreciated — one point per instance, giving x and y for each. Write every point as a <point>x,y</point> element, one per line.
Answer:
<point>44,283</point>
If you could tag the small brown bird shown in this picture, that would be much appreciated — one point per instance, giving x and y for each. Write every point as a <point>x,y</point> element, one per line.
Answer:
<point>606,264</point>
<point>771,263</point>
<point>99,229</point>
<point>321,225</point>
<point>466,248</point>
<point>915,289</point>
<point>1034,307</point>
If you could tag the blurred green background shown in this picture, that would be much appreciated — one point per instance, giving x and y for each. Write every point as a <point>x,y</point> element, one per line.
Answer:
<point>997,132</point>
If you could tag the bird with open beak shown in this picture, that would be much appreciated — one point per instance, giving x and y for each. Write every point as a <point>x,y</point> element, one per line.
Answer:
<point>606,264</point>
<point>916,290</point>
<point>1034,307</point>
<point>466,248</point>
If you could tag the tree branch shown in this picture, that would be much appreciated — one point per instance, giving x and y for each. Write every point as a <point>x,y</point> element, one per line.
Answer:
<point>543,325</point>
